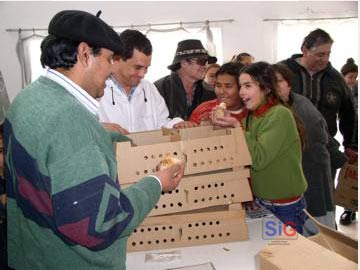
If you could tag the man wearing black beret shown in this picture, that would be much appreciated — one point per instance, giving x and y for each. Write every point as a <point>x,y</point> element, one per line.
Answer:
<point>65,208</point>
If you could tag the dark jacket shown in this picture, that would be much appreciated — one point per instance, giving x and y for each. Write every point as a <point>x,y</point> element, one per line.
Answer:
<point>329,93</point>
<point>316,158</point>
<point>173,92</point>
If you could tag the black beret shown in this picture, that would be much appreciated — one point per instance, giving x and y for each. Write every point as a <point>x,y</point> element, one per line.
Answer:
<point>82,26</point>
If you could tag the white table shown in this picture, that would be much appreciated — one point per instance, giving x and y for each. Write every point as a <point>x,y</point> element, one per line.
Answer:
<point>226,256</point>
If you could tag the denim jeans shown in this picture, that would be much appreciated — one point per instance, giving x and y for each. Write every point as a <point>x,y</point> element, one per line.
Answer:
<point>291,214</point>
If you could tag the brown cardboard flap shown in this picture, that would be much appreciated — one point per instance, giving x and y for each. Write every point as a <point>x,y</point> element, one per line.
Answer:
<point>300,254</point>
<point>335,241</point>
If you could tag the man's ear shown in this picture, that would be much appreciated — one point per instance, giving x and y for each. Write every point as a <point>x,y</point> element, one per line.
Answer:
<point>83,53</point>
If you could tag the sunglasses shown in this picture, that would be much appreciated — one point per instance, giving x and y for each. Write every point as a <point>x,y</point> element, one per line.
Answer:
<point>200,61</point>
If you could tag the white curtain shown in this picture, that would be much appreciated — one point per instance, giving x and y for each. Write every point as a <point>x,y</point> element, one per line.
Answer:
<point>164,42</point>
<point>28,53</point>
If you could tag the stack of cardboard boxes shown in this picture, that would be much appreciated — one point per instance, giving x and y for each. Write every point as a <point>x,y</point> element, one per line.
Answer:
<point>206,206</point>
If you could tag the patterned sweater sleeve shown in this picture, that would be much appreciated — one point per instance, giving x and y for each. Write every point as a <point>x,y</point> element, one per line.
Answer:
<point>77,195</point>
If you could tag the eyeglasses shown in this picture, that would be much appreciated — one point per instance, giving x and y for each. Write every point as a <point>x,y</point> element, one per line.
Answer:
<point>199,61</point>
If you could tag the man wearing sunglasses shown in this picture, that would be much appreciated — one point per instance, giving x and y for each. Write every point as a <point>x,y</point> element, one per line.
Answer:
<point>183,90</point>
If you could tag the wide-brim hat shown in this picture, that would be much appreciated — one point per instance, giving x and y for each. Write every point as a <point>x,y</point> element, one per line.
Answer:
<point>189,48</point>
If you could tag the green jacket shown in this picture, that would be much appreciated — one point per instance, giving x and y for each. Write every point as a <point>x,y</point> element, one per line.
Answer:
<point>66,208</point>
<point>275,149</point>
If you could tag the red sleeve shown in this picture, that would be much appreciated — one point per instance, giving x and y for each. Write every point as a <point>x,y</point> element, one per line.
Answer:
<point>202,111</point>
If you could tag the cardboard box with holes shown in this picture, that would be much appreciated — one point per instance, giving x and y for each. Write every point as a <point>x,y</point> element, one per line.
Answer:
<point>206,206</point>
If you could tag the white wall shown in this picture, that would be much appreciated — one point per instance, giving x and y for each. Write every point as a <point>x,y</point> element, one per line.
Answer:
<point>248,32</point>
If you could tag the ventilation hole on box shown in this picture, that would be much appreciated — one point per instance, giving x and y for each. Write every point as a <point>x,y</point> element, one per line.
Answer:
<point>224,159</point>
<point>172,240</point>
<point>216,185</point>
<point>203,199</point>
<point>222,184</point>
<point>227,234</point>
<point>210,161</point>
<point>204,236</point>
<point>157,241</point>
<point>196,224</point>
<point>177,191</point>
<point>217,222</point>
<point>149,242</point>
<point>162,192</point>
<point>152,156</point>
<point>218,160</point>
<point>197,237</point>
<point>195,201</point>
<point>217,197</point>
<point>201,150</point>
<point>220,234</point>
<point>146,157</point>
<point>225,196</point>
<point>164,228</point>
<point>170,192</point>
<point>156,207</point>
<point>202,163</point>
<point>142,230</point>
<point>208,148</point>
<point>210,198</point>
<point>215,147</point>
<point>133,244</point>
<point>210,223</point>
<point>171,205</point>
<point>164,240</point>
<point>189,238</point>
<point>137,173</point>
<point>202,186</point>
<point>194,150</point>
<point>190,225</point>
<point>209,186</point>
<point>135,230</point>
<point>196,188</point>
<point>180,204</point>
<point>175,153</point>
<point>156,228</point>
<point>149,229</point>
<point>194,164</point>
<point>232,195</point>
<point>170,227</point>
<point>145,171</point>
<point>160,155</point>
<point>231,158</point>
<point>141,242</point>
<point>204,223</point>
<point>212,236</point>
<point>164,206</point>
<point>221,147</point>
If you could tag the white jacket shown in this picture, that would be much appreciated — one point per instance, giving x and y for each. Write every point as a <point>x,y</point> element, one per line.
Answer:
<point>146,109</point>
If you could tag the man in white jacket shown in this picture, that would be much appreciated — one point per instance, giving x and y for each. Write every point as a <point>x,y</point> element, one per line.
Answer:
<point>131,103</point>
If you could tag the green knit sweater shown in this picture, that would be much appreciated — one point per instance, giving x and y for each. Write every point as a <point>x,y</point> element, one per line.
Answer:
<point>275,149</point>
<point>66,209</point>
